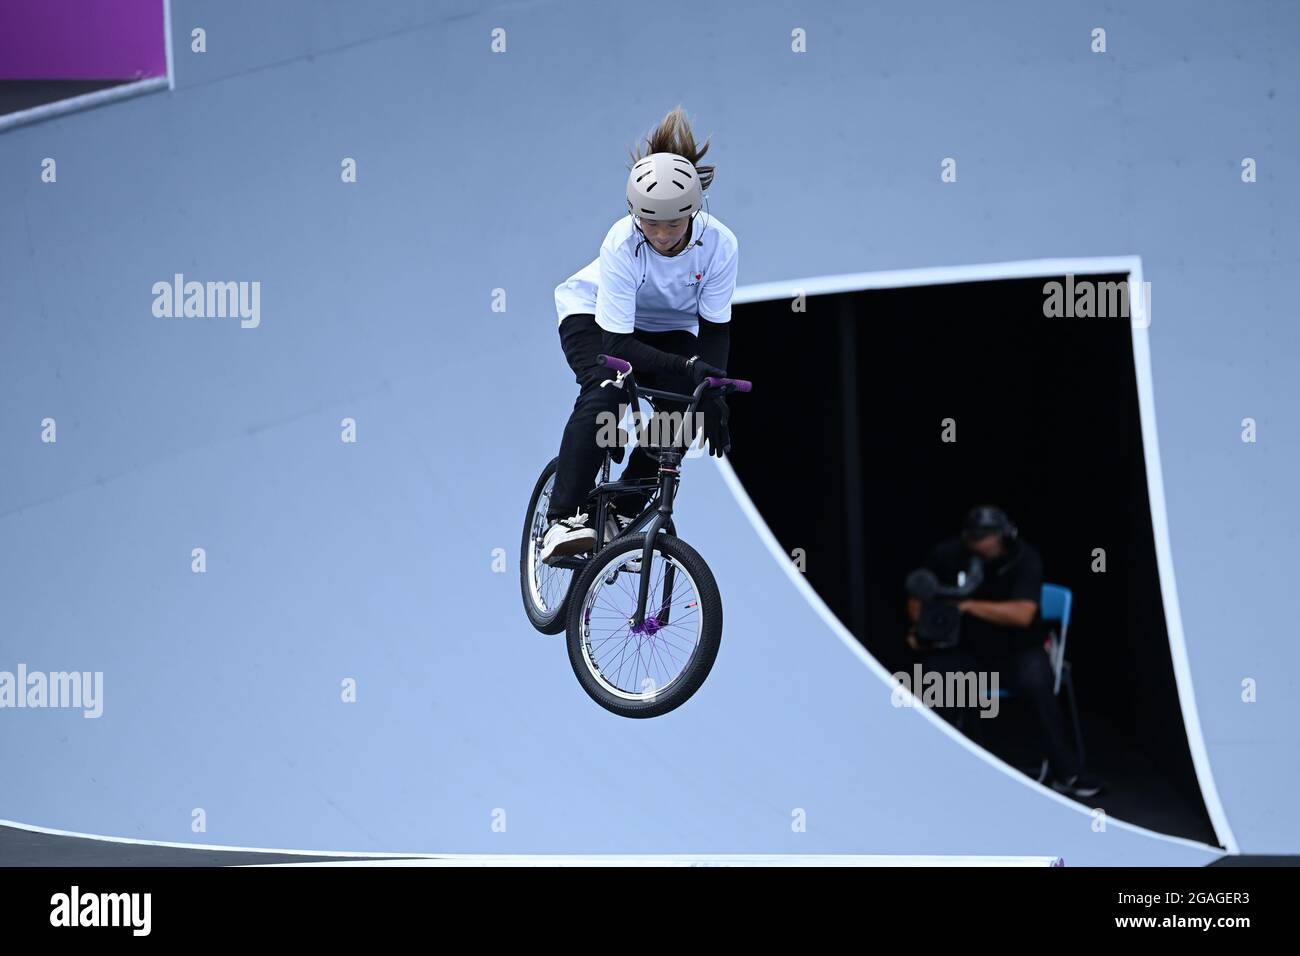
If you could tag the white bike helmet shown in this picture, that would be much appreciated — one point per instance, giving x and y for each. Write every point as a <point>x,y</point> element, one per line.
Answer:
<point>663,186</point>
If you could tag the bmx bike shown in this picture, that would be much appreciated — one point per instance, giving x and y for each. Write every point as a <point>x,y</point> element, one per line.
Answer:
<point>642,612</point>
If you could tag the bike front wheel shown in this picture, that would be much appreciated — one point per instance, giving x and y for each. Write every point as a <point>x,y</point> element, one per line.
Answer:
<point>655,668</point>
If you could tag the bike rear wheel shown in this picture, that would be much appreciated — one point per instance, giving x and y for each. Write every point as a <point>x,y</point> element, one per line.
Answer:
<point>545,589</point>
<point>652,670</point>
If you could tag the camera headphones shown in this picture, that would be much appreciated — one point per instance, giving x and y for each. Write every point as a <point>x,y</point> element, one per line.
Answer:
<point>983,518</point>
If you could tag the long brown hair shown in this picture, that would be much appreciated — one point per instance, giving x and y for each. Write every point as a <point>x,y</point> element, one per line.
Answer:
<point>674,135</point>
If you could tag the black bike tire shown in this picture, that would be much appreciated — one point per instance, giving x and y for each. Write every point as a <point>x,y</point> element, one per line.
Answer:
<point>555,622</point>
<point>702,660</point>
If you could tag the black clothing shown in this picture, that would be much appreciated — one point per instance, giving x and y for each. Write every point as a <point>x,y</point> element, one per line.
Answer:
<point>1028,673</point>
<point>659,361</point>
<point>1017,575</point>
<point>1015,653</point>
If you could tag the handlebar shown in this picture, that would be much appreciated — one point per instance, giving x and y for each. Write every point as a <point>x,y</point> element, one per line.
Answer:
<point>616,364</point>
<point>737,384</point>
<point>623,366</point>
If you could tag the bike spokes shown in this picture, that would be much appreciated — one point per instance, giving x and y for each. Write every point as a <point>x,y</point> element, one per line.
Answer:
<point>640,662</point>
<point>548,585</point>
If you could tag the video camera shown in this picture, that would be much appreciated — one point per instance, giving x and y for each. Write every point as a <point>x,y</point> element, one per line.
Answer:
<point>940,622</point>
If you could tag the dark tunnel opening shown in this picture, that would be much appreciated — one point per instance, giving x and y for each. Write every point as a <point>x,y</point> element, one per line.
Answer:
<point>840,448</point>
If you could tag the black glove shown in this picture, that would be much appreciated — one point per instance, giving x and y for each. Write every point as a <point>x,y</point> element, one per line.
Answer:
<point>699,370</point>
<point>717,436</point>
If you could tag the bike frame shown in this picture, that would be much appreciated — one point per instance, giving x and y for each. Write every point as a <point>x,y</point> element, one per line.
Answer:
<point>659,510</point>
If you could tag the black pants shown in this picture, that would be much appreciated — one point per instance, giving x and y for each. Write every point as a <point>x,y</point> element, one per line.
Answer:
<point>1028,672</point>
<point>580,454</point>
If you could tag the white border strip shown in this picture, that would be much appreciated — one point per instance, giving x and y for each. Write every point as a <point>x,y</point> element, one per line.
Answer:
<point>332,857</point>
<point>85,101</point>
<point>1047,268</point>
<point>167,43</point>
<point>939,275</point>
<point>48,831</point>
<point>1165,564</point>
<point>775,859</point>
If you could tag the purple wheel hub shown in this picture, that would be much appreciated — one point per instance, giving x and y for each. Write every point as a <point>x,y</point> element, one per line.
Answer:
<point>649,627</point>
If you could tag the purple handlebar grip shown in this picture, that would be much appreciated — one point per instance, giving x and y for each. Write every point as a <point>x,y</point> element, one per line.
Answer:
<point>617,364</point>
<point>739,384</point>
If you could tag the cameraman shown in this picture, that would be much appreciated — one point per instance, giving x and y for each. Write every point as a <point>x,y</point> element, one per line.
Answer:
<point>1001,630</point>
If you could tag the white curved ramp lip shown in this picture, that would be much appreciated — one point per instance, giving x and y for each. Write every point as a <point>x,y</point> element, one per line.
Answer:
<point>1024,269</point>
<point>674,860</point>
<point>371,858</point>
<point>207,847</point>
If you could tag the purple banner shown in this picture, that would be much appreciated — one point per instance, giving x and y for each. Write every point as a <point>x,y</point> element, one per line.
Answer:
<point>81,39</point>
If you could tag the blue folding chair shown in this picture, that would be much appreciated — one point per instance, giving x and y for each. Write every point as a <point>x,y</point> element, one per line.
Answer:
<point>1054,605</point>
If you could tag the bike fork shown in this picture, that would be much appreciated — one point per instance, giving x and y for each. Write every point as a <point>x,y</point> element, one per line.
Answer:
<point>669,468</point>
